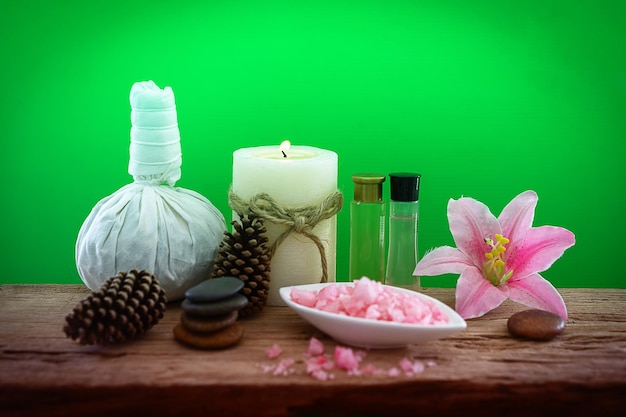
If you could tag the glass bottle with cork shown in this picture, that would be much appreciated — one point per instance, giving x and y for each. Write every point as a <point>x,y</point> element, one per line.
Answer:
<point>368,215</point>
<point>403,226</point>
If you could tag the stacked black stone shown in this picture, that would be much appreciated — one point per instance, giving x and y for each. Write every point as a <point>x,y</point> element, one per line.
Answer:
<point>210,312</point>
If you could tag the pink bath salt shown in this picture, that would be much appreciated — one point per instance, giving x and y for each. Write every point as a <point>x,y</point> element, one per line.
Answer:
<point>316,347</point>
<point>328,363</point>
<point>367,291</point>
<point>346,359</point>
<point>314,364</point>
<point>319,366</point>
<point>373,312</point>
<point>274,351</point>
<point>418,367</point>
<point>372,300</point>
<point>306,298</point>
<point>406,365</point>
<point>284,367</point>
<point>266,368</point>
<point>410,367</point>
<point>328,298</point>
<point>321,375</point>
<point>372,369</point>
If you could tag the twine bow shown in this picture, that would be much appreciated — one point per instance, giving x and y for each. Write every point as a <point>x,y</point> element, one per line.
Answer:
<point>299,220</point>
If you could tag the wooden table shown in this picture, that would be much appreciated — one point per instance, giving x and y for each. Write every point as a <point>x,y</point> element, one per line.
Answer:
<point>480,371</point>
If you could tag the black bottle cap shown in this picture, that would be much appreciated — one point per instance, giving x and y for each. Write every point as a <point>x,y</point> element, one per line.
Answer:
<point>405,186</point>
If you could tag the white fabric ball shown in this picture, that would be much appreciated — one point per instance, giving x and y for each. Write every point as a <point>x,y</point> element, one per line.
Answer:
<point>171,232</point>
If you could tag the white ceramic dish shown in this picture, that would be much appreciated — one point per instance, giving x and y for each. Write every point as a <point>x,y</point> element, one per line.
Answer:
<point>374,334</point>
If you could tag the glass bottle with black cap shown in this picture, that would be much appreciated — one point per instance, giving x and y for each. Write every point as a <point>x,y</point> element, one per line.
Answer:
<point>403,224</point>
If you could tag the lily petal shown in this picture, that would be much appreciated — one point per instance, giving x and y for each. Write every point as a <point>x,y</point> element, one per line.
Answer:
<point>470,223</point>
<point>535,291</point>
<point>517,218</point>
<point>442,260</point>
<point>542,246</point>
<point>476,296</point>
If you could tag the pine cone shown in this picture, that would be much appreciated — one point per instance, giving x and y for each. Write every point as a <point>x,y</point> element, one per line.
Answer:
<point>126,306</point>
<point>244,254</point>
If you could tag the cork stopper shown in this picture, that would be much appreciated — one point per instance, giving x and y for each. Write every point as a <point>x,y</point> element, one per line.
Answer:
<point>368,187</point>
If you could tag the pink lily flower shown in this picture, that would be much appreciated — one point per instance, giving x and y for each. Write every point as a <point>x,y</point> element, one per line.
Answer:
<point>499,258</point>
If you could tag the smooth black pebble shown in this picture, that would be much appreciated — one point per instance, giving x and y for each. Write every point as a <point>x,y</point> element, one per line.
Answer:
<point>214,308</point>
<point>214,289</point>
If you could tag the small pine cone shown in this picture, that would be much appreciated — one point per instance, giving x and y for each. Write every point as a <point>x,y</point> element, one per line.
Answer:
<point>244,254</point>
<point>126,306</point>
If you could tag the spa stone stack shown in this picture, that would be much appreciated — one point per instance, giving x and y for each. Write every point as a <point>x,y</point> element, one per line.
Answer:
<point>210,312</point>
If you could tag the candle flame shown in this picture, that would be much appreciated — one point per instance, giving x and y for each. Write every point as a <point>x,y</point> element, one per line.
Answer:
<point>284,147</point>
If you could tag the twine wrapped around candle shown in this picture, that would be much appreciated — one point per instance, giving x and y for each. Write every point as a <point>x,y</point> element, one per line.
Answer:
<point>299,220</point>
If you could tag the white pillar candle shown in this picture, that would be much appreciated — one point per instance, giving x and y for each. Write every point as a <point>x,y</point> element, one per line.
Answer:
<point>295,177</point>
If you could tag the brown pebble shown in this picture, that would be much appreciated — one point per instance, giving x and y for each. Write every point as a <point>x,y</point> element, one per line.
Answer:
<point>217,340</point>
<point>197,324</point>
<point>535,324</point>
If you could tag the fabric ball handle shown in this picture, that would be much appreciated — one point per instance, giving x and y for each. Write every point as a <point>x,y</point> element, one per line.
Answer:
<point>155,152</point>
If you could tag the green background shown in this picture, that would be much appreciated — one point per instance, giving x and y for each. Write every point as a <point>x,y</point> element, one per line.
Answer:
<point>484,98</point>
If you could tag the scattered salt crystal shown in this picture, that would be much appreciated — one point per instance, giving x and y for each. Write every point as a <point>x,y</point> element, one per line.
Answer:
<point>312,365</point>
<point>418,367</point>
<point>284,367</point>
<point>316,347</point>
<point>315,363</point>
<point>320,375</point>
<point>410,367</point>
<point>274,351</point>
<point>371,369</point>
<point>346,359</point>
<point>265,368</point>
<point>360,355</point>
<point>319,365</point>
<point>372,300</point>
<point>406,365</point>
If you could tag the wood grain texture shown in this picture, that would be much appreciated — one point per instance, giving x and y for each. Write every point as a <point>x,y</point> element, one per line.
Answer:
<point>481,371</point>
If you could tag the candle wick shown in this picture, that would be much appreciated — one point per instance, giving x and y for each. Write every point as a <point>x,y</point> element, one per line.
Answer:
<point>284,154</point>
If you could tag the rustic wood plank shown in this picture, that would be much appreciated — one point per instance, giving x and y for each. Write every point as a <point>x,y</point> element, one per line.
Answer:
<point>481,371</point>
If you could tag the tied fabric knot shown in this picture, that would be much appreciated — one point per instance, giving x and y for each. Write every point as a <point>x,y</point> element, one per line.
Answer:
<point>300,220</point>
<point>159,178</point>
<point>299,224</point>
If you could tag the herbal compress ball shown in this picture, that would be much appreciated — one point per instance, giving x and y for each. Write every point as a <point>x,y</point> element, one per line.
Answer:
<point>151,224</point>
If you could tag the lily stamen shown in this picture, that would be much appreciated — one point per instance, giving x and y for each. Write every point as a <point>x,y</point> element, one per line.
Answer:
<point>495,266</point>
